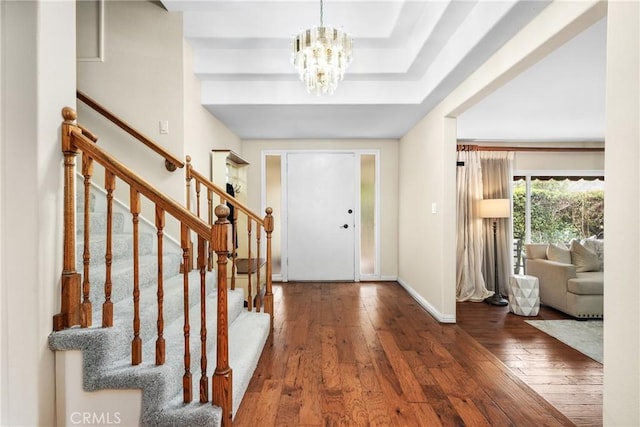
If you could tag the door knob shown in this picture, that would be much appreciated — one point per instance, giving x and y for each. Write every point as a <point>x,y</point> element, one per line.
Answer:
<point>350,211</point>
<point>345,226</point>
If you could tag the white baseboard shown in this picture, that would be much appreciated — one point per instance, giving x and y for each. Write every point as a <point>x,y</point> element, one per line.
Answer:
<point>372,278</point>
<point>367,278</point>
<point>440,317</point>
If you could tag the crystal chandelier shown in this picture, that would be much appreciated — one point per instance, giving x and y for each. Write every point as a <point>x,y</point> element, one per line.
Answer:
<point>321,55</point>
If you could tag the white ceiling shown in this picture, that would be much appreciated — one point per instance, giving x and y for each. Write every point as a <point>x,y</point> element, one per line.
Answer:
<point>408,55</point>
<point>562,98</point>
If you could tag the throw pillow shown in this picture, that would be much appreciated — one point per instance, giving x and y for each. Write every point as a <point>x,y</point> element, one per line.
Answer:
<point>558,254</point>
<point>597,247</point>
<point>583,258</point>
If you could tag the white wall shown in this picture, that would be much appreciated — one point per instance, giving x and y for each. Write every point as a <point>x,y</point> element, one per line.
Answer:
<point>427,155</point>
<point>252,151</point>
<point>38,79</point>
<point>203,132</point>
<point>140,80</point>
<point>147,76</point>
<point>622,218</point>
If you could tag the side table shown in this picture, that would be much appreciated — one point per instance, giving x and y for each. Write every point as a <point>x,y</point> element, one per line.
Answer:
<point>524,295</point>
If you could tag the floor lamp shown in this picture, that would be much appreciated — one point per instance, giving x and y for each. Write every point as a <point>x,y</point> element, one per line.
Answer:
<point>494,209</point>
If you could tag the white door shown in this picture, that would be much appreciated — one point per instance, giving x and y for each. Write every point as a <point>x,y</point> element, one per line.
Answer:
<point>321,216</point>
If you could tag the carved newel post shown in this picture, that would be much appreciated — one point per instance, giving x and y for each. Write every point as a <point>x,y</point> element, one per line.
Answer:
<point>222,393</point>
<point>70,281</point>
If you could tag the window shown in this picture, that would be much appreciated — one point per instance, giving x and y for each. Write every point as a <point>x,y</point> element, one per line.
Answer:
<point>557,209</point>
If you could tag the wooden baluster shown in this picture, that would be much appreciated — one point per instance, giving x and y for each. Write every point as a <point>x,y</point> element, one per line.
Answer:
<point>202,266</point>
<point>222,377</point>
<point>70,281</point>
<point>258,304</point>
<point>188,177</point>
<point>187,264</point>
<point>210,219</point>
<point>197,205</point>
<point>249,268</point>
<point>268,296</point>
<point>186,378</point>
<point>136,344</point>
<point>87,172</point>
<point>160,343</point>
<point>198,198</point>
<point>234,249</point>
<point>107,307</point>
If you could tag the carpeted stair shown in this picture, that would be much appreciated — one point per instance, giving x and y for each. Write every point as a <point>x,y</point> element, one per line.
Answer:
<point>107,351</point>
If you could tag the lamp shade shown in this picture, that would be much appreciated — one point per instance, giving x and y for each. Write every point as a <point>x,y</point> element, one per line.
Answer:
<point>495,208</point>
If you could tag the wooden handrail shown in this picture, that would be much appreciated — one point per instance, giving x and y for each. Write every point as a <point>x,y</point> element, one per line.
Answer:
<point>169,205</point>
<point>171,161</point>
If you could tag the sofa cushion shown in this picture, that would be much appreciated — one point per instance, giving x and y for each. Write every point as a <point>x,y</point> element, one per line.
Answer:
<point>536,250</point>
<point>589,283</point>
<point>583,258</point>
<point>558,254</point>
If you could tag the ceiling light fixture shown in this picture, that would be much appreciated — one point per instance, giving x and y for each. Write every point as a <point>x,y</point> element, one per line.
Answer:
<point>321,55</point>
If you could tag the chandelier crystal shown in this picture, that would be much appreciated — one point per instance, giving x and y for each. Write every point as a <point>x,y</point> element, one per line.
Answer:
<point>321,55</point>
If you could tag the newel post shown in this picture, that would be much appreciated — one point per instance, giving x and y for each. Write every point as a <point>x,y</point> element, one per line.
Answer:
<point>221,389</point>
<point>268,295</point>
<point>70,281</point>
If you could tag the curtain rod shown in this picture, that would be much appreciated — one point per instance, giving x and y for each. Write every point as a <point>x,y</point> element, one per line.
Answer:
<point>473,147</point>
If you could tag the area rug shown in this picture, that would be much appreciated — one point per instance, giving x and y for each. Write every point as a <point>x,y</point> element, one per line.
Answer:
<point>583,335</point>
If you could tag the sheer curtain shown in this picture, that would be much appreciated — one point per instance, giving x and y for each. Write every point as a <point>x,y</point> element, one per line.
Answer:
<point>497,175</point>
<point>470,284</point>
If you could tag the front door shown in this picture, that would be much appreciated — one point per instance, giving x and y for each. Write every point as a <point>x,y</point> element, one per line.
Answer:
<point>321,216</point>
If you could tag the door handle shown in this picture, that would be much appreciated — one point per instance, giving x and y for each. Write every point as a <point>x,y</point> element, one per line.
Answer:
<point>344,226</point>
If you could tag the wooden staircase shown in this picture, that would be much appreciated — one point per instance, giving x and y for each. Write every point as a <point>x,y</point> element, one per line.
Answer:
<point>161,322</point>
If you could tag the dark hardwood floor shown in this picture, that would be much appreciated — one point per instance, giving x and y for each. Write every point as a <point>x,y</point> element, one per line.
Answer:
<point>569,380</point>
<point>366,354</point>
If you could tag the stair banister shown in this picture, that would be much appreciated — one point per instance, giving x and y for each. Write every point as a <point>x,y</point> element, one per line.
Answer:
<point>74,139</point>
<point>76,307</point>
<point>265,223</point>
<point>73,312</point>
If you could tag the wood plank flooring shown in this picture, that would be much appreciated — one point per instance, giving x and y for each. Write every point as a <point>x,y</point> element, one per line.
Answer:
<point>569,380</point>
<point>366,354</point>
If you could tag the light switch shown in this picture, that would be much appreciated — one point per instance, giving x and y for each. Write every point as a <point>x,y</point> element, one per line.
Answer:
<point>434,208</point>
<point>164,126</point>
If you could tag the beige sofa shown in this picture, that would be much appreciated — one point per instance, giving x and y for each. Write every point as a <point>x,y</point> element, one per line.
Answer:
<point>569,279</point>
